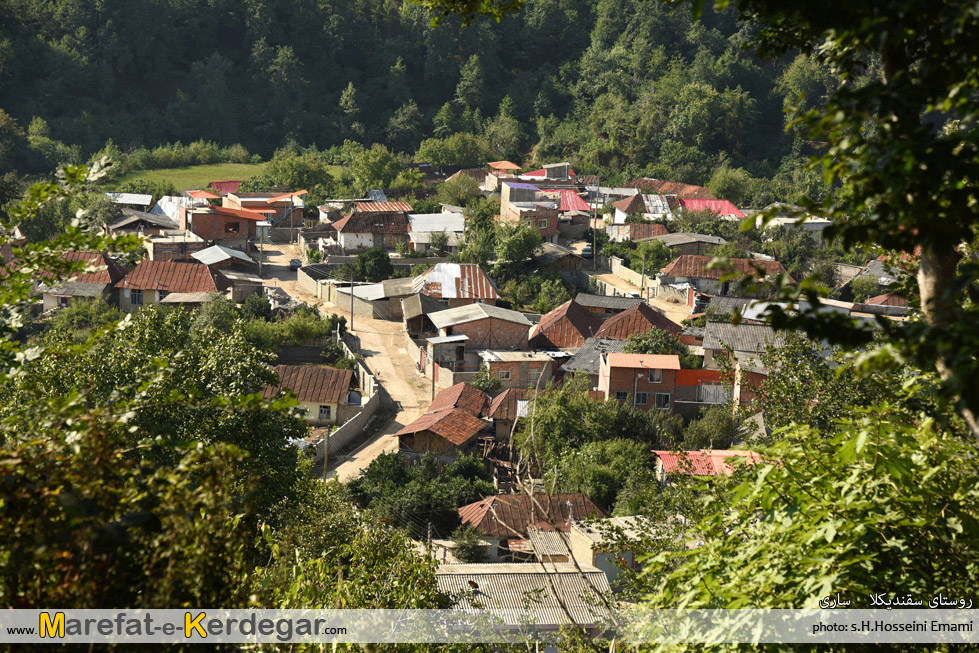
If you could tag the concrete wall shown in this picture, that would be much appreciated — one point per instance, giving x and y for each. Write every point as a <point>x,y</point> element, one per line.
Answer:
<point>491,333</point>
<point>620,270</point>
<point>355,241</point>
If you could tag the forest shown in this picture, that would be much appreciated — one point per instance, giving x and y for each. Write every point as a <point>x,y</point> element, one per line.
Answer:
<point>618,87</point>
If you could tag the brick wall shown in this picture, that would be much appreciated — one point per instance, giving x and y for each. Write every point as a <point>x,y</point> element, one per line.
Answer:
<point>492,333</point>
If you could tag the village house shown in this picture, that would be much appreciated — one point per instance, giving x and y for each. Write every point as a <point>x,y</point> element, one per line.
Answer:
<point>236,266</point>
<point>706,462</point>
<point>381,300</point>
<point>587,359</point>
<point>557,258</point>
<point>518,369</point>
<point>323,392</point>
<point>138,201</point>
<point>458,284</point>
<point>636,321</point>
<point>423,228</point>
<point>551,597</point>
<point>688,243</point>
<point>87,285</point>
<point>628,206</point>
<point>674,188</point>
<point>721,208</point>
<point>485,326</point>
<point>695,270</point>
<point>222,225</point>
<point>141,223</point>
<point>450,426</point>
<point>362,230</point>
<point>567,326</point>
<point>522,202</point>
<point>634,231</point>
<point>281,209</point>
<point>606,305</point>
<point>174,245</point>
<point>506,518</point>
<point>744,344</point>
<point>505,409</point>
<point>415,311</point>
<point>169,282</point>
<point>646,381</point>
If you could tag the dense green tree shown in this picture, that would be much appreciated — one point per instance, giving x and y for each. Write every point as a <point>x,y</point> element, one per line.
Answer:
<point>375,167</point>
<point>714,429</point>
<point>600,469</point>
<point>657,341</point>
<point>516,243</point>
<point>470,91</point>
<point>374,265</point>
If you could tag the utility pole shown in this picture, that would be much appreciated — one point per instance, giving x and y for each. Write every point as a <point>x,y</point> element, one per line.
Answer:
<point>642,284</point>
<point>326,454</point>
<point>351,298</point>
<point>594,232</point>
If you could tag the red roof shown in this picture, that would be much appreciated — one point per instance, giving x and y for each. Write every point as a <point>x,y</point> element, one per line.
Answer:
<point>635,321</point>
<point>504,405</point>
<point>720,207</point>
<point>287,196</point>
<point>109,271</point>
<point>568,325</point>
<point>888,299</point>
<point>644,361</point>
<point>571,201</point>
<point>508,515</point>
<point>695,267</point>
<point>663,187</point>
<point>543,173</point>
<point>646,230</point>
<point>461,395</point>
<point>503,165</point>
<point>173,276</point>
<point>314,384</point>
<point>247,214</point>
<point>631,204</point>
<point>707,462</point>
<point>456,425</point>
<point>371,222</point>
<point>225,187</point>
<point>455,281</point>
<point>383,207</point>
<point>202,195</point>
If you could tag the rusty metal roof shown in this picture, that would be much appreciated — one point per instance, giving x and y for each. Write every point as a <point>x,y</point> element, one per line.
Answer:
<point>456,281</point>
<point>663,187</point>
<point>568,325</point>
<point>706,462</point>
<point>314,384</point>
<point>461,395</point>
<point>508,515</point>
<point>695,266</point>
<point>382,207</point>
<point>456,425</point>
<point>173,276</point>
<point>635,321</point>
<point>374,222</point>
<point>109,271</point>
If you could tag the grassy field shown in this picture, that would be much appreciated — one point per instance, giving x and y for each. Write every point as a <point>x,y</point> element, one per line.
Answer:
<point>194,176</point>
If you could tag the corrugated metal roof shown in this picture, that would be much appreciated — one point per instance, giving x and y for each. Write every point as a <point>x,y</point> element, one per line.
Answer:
<point>377,195</point>
<point>456,425</point>
<point>685,238</point>
<point>77,289</point>
<point>373,222</point>
<point>471,312</point>
<point>136,199</point>
<point>315,384</point>
<point>547,542</point>
<point>106,270</point>
<point>606,301</point>
<point>748,338</point>
<point>635,321</point>
<point>217,253</point>
<point>174,277</point>
<point>456,281</point>
<point>706,462</point>
<point>518,594</point>
<point>461,395</point>
<point>722,208</point>
<point>448,222</point>
<point>508,515</point>
<point>382,207</point>
<point>695,267</point>
<point>587,359</point>
<point>443,340</point>
<point>644,361</point>
<point>568,325</point>
<point>571,201</point>
<point>521,186</point>
<point>415,305</point>
<point>132,216</point>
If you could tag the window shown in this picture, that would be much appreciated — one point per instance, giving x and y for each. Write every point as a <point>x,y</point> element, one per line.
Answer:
<point>163,293</point>
<point>655,376</point>
<point>326,412</point>
<point>136,297</point>
<point>663,400</point>
<point>504,375</point>
<point>63,301</point>
<point>232,227</point>
<point>542,224</point>
<point>641,398</point>
<point>622,396</point>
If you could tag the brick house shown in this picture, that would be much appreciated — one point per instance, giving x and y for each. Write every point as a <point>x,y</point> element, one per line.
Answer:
<point>220,225</point>
<point>362,230</point>
<point>458,284</point>
<point>87,285</point>
<point>486,326</point>
<point>645,380</point>
<point>518,369</point>
<point>522,202</point>
<point>693,269</point>
<point>450,426</point>
<point>635,321</point>
<point>170,282</point>
<point>320,390</point>
<point>567,326</point>
<point>284,209</point>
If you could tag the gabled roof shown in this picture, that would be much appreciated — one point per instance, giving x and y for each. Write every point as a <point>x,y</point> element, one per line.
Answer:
<point>571,201</point>
<point>473,312</point>
<point>415,305</point>
<point>107,272</point>
<point>631,204</point>
<point>504,405</point>
<point>456,281</point>
<point>888,299</point>
<point>461,395</point>
<point>456,425</point>
<point>644,361</point>
<point>607,301</point>
<point>695,267</point>
<point>382,207</point>
<point>720,207</point>
<point>750,338</point>
<point>507,516</point>
<point>314,384</point>
<point>217,253</point>
<point>503,165</point>
<point>173,276</point>
<point>663,187</point>
<point>202,195</point>
<point>706,462</point>
<point>568,325</point>
<point>644,230</point>
<point>225,187</point>
<point>635,321</point>
<point>373,222</point>
<point>588,358</point>
<point>132,217</point>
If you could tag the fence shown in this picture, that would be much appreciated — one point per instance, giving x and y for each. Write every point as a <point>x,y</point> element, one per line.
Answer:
<point>620,270</point>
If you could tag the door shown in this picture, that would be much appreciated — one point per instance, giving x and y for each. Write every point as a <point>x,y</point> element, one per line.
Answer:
<point>713,393</point>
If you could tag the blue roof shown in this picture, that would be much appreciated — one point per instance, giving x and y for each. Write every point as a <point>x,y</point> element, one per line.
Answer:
<point>514,184</point>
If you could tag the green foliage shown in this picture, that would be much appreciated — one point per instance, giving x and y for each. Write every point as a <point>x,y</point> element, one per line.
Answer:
<point>82,316</point>
<point>156,189</point>
<point>294,171</point>
<point>334,356</point>
<point>375,168</point>
<point>516,243</point>
<point>600,469</point>
<point>374,265</point>
<point>654,252</point>
<point>864,287</point>
<point>256,307</point>
<point>714,429</point>
<point>467,545</point>
<point>730,184</point>
<point>414,496</point>
<point>541,293</point>
<point>657,341</point>
<point>459,191</point>
<point>462,149</point>
<point>486,382</point>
